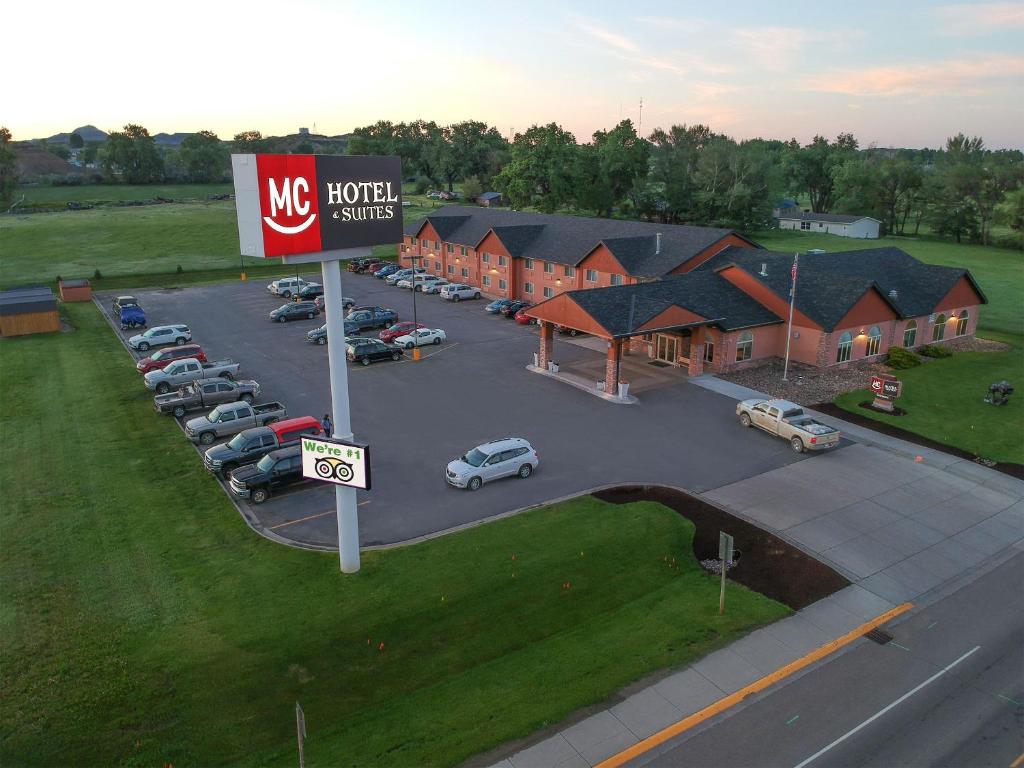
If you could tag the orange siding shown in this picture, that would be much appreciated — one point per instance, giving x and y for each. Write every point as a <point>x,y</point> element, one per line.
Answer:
<point>765,296</point>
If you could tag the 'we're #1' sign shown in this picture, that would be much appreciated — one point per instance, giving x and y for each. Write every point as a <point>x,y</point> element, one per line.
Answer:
<point>303,204</point>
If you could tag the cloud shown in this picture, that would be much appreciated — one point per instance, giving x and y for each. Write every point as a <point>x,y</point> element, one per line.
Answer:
<point>953,76</point>
<point>615,40</point>
<point>979,19</point>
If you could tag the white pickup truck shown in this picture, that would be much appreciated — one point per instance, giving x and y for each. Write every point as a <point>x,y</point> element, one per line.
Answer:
<point>788,421</point>
<point>187,370</point>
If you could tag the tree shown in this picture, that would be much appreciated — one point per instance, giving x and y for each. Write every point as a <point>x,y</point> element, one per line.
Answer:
<point>811,168</point>
<point>8,169</point>
<point>541,169</point>
<point>76,141</point>
<point>132,155</point>
<point>204,157</point>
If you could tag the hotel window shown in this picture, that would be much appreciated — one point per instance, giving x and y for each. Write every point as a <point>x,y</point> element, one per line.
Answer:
<point>527,287</point>
<point>549,267</point>
<point>487,281</point>
<point>485,258</point>
<point>709,349</point>
<point>465,272</point>
<point>451,248</point>
<point>502,285</point>
<point>462,248</point>
<point>528,264</point>
<point>845,348</point>
<point>549,292</point>
<point>874,341</point>
<point>591,275</point>
<point>616,279</point>
<point>437,265</point>
<point>939,329</point>
<point>451,269</point>
<point>501,260</point>
<point>570,271</point>
<point>961,324</point>
<point>805,225</point>
<point>910,334</point>
<point>744,346</point>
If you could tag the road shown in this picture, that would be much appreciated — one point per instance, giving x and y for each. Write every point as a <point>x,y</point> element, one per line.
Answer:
<point>948,691</point>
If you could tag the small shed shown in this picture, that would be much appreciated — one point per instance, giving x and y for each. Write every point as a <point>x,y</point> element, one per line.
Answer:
<point>28,310</point>
<point>490,199</point>
<point>75,290</point>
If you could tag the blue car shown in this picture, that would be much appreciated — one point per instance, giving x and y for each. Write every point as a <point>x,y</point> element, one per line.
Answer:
<point>390,269</point>
<point>132,317</point>
<point>497,305</point>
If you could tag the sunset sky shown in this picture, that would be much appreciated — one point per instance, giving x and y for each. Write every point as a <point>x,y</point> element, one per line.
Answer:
<point>894,74</point>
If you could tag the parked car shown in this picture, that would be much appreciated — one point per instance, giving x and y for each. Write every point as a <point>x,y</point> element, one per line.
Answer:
<point>251,445</point>
<point>367,351</point>
<point>159,336</point>
<point>206,393</point>
<point>310,292</point>
<point>567,331</point>
<point>295,311</point>
<point>401,274</point>
<point>511,309</point>
<point>388,335</point>
<point>272,472</point>
<point>418,281</point>
<point>435,286</point>
<point>421,338</point>
<point>230,419</point>
<point>346,303</point>
<point>508,457</point>
<point>187,370</point>
<point>164,357</point>
<point>524,319</point>
<point>370,317</point>
<point>132,317</point>
<point>386,271</point>
<point>788,421</point>
<point>286,286</point>
<point>459,291</point>
<point>375,268</point>
<point>122,302</point>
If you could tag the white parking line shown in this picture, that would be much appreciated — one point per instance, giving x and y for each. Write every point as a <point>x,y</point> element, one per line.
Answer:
<point>881,712</point>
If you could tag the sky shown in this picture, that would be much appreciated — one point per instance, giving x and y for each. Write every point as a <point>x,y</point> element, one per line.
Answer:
<point>895,74</point>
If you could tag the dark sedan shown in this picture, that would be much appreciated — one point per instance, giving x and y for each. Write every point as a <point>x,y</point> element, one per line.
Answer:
<point>304,309</point>
<point>368,351</point>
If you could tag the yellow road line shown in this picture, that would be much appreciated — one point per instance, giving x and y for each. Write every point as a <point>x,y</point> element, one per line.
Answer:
<point>311,517</point>
<point>757,686</point>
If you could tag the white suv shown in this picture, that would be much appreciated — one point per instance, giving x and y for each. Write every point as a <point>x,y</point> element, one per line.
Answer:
<point>286,286</point>
<point>459,291</point>
<point>507,457</point>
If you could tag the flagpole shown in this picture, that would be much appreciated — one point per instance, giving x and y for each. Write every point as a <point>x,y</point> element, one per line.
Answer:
<point>789,330</point>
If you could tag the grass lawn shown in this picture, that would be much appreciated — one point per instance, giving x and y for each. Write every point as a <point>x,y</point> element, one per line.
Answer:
<point>943,400</point>
<point>93,193</point>
<point>999,271</point>
<point>143,623</point>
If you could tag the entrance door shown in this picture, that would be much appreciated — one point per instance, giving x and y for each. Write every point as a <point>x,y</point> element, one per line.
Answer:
<point>666,348</point>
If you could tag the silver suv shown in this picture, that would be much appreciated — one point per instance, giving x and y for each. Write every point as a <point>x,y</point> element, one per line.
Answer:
<point>507,457</point>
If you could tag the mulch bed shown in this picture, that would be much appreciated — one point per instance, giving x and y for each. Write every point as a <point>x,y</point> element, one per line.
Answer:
<point>1006,467</point>
<point>767,564</point>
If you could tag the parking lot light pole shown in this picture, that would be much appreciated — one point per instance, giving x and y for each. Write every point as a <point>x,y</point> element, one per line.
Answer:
<point>345,497</point>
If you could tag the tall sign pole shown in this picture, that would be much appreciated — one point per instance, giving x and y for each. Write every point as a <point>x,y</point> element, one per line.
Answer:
<point>789,327</point>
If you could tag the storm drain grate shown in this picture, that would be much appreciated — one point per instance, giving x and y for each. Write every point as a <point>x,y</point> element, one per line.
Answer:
<point>879,636</point>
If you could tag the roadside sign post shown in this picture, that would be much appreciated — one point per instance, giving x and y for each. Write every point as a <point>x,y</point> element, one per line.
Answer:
<point>324,209</point>
<point>725,554</point>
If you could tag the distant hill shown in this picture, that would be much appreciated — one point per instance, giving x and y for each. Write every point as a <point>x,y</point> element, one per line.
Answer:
<point>87,132</point>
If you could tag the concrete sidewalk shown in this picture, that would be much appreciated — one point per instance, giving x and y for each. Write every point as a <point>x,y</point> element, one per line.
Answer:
<point>900,521</point>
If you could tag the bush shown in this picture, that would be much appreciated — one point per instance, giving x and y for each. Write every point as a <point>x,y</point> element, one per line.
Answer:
<point>934,350</point>
<point>900,359</point>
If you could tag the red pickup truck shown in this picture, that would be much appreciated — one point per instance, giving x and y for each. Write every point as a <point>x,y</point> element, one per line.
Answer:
<point>164,357</point>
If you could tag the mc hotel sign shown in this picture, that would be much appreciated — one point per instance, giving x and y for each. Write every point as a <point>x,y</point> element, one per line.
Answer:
<point>323,209</point>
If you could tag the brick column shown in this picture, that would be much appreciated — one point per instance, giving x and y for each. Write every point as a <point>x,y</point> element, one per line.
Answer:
<point>696,352</point>
<point>547,343</point>
<point>611,367</point>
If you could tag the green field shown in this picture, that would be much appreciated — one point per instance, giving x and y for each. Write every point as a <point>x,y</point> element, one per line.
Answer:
<point>144,624</point>
<point>944,402</point>
<point>999,271</point>
<point>93,193</point>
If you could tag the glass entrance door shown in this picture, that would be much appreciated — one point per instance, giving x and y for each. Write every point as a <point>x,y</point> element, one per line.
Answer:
<point>666,348</point>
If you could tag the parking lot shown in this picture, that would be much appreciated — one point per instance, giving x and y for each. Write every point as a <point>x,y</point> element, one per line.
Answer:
<point>418,415</point>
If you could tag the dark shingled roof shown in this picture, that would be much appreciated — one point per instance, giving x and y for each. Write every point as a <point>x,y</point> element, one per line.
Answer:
<point>623,309</point>
<point>832,218</point>
<point>20,301</point>
<point>568,239</point>
<point>829,284</point>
